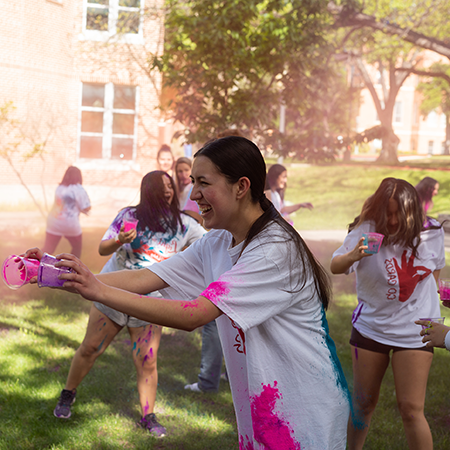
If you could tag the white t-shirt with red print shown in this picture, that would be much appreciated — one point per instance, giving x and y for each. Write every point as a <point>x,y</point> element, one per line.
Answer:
<point>288,388</point>
<point>395,288</point>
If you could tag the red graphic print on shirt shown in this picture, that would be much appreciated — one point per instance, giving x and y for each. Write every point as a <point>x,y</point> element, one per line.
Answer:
<point>408,277</point>
<point>239,339</point>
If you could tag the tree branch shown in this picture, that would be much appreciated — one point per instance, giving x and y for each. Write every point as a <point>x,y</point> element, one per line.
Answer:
<point>347,16</point>
<point>425,73</point>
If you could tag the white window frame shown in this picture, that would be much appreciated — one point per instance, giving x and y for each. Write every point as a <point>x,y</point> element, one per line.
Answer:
<point>114,8</point>
<point>398,112</point>
<point>430,147</point>
<point>432,120</point>
<point>107,132</point>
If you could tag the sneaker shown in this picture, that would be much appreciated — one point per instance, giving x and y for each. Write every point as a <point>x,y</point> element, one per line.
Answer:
<point>66,400</point>
<point>193,387</point>
<point>150,424</point>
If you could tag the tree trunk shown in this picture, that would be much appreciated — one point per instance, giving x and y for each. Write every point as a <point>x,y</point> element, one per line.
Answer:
<point>447,135</point>
<point>390,143</point>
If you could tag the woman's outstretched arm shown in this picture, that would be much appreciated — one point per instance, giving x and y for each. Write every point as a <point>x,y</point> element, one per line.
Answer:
<point>121,291</point>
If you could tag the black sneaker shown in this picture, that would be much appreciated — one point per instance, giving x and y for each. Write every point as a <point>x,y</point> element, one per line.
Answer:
<point>66,400</point>
<point>150,424</point>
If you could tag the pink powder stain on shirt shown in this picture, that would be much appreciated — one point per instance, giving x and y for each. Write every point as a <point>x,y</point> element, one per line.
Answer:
<point>216,291</point>
<point>269,427</point>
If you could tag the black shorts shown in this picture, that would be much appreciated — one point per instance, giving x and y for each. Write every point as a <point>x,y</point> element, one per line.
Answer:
<point>359,341</point>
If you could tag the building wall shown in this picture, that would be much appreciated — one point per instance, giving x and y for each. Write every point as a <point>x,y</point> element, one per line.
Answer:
<point>46,57</point>
<point>414,131</point>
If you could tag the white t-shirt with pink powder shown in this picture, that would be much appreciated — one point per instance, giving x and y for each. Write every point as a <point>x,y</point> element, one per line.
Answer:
<point>394,289</point>
<point>288,388</point>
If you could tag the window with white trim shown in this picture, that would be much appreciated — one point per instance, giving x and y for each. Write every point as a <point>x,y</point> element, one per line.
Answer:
<point>105,18</point>
<point>398,112</point>
<point>108,121</point>
<point>432,119</point>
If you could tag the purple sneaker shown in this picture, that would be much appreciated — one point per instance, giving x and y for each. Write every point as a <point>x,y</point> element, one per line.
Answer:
<point>150,424</point>
<point>66,400</point>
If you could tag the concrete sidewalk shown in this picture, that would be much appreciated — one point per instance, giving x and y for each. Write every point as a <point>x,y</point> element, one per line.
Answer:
<point>20,223</point>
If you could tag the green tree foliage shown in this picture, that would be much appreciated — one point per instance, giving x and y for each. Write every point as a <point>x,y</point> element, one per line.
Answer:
<point>15,145</point>
<point>436,95</point>
<point>233,63</point>
<point>390,35</point>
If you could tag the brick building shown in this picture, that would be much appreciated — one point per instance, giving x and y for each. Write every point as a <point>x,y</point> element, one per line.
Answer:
<point>76,73</point>
<point>417,134</point>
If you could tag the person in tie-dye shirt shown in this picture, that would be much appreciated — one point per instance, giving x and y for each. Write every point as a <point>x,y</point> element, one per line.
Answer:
<point>162,231</point>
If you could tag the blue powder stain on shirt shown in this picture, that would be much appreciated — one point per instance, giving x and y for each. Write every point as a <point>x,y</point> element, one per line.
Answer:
<point>341,381</point>
<point>358,422</point>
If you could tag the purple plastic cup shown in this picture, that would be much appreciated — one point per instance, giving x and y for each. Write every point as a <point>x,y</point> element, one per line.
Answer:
<point>129,224</point>
<point>48,273</point>
<point>444,291</point>
<point>373,242</point>
<point>18,271</point>
<point>432,319</point>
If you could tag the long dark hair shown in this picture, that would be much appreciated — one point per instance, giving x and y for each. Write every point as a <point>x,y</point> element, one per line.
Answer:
<point>72,176</point>
<point>236,157</point>
<point>153,211</point>
<point>410,213</point>
<point>425,189</point>
<point>272,176</point>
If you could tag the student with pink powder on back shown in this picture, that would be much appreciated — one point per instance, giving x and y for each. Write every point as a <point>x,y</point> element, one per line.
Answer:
<point>256,276</point>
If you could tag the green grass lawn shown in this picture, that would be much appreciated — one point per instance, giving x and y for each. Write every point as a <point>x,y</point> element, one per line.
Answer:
<point>40,329</point>
<point>338,191</point>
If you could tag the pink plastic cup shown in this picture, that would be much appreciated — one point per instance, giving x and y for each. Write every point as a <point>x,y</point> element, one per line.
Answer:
<point>432,319</point>
<point>48,273</point>
<point>129,224</point>
<point>18,271</point>
<point>373,242</point>
<point>444,291</point>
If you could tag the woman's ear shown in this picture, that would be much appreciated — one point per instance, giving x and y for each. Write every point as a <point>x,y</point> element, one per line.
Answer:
<point>243,186</point>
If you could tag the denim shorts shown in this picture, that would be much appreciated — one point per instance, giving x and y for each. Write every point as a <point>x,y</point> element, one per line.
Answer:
<point>359,341</point>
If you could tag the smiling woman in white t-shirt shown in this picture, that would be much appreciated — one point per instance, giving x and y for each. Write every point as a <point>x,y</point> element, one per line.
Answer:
<point>256,276</point>
<point>395,287</point>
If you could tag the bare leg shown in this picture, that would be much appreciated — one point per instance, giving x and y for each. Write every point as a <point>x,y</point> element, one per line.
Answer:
<point>411,368</point>
<point>145,351</point>
<point>99,333</point>
<point>51,242</point>
<point>76,243</point>
<point>368,371</point>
